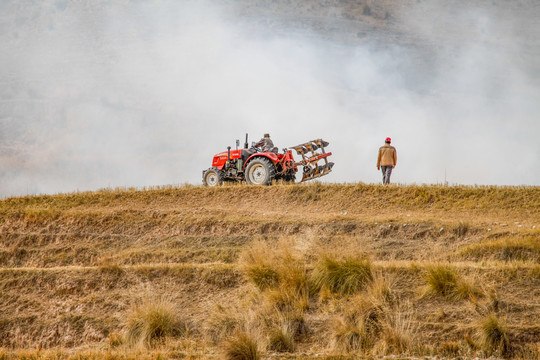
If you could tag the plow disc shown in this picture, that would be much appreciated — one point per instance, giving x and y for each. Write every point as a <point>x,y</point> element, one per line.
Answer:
<point>313,152</point>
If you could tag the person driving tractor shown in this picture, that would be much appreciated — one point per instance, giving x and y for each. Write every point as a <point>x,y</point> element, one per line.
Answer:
<point>266,144</point>
<point>263,145</point>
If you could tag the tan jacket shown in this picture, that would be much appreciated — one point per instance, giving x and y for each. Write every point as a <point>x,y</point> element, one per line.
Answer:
<point>387,156</point>
<point>265,144</point>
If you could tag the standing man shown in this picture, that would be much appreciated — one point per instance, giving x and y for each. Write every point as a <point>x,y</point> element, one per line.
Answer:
<point>386,160</point>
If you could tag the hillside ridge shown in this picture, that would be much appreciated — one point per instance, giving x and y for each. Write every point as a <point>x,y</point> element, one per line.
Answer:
<point>74,266</point>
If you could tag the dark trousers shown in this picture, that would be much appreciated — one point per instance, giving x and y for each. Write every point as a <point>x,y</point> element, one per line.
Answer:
<point>386,172</point>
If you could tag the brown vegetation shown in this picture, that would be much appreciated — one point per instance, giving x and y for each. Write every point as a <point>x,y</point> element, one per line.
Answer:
<point>320,270</point>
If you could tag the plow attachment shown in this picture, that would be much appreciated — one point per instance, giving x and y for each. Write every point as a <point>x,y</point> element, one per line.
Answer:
<point>312,152</point>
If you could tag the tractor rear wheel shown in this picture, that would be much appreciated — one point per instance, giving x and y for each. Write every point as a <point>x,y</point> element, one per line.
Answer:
<point>260,171</point>
<point>212,177</point>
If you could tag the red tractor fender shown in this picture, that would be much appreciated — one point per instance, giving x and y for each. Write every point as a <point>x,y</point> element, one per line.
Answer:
<point>273,157</point>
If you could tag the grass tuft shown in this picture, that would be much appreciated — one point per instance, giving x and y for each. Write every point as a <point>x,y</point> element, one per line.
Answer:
<point>442,280</point>
<point>297,325</point>
<point>281,339</point>
<point>151,322</point>
<point>529,351</point>
<point>241,346</point>
<point>493,335</point>
<point>280,274</point>
<point>381,289</point>
<point>514,248</point>
<point>360,325</point>
<point>348,338</point>
<point>343,277</point>
<point>259,265</point>
<point>397,334</point>
<point>286,299</point>
<point>375,322</point>
<point>115,339</point>
<point>263,276</point>
<point>221,323</point>
<point>450,349</point>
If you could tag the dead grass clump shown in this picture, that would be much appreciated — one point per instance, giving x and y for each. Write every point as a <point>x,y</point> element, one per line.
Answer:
<point>381,289</point>
<point>534,272</point>
<point>280,274</point>
<point>467,290</point>
<point>263,276</point>
<point>221,323</point>
<point>529,352</point>
<point>152,322</point>
<point>286,299</point>
<point>367,312</point>
<point>306,193</point>
<point>297,325</point>
<point>442,280</point>
<point>259,264</point>
<point>451,349</point>
<point>34,215</point>
<point>493,335</point>
<point>109,267</point>
<point>350,337</point>
<point>461,229</point>
<point>397,334</point>
<point>505,249</point>
<point>241,346</point>
<point>374,324</point>
<point>115,339</point>
<point>470,342</point>
<point>282,339</point>
<point>345,276</point>
<point>360,325</point>
<point>292,273</point>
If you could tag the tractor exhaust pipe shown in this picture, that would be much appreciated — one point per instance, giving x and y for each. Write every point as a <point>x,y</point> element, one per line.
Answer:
<point>246,143</point>
<point>228,153</point>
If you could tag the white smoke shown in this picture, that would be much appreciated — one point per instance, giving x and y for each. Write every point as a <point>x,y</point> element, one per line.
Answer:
<point>104,94</point>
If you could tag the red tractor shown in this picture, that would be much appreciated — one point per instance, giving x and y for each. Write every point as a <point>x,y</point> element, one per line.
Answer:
<point>262,168</point>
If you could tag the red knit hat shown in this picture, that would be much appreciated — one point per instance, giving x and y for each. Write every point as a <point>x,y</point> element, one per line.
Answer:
<point>388,140</point>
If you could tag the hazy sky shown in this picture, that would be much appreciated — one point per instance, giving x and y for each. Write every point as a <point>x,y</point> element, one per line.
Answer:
<point>99,94</point>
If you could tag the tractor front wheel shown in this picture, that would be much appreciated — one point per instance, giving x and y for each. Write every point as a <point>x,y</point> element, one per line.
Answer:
<point>260,171</point>
<point>212,177</point>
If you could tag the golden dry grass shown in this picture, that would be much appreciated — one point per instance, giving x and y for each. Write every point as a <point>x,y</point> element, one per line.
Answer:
<point>151,322</point>
<point>342,276</point>
<point>296,270</point>
<point>444,281</point>
<point>493,335</point>
<point>241,346</point>
<point>506,248</point>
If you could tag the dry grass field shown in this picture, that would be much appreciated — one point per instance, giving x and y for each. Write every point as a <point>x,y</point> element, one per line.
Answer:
<point>288,271</point>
